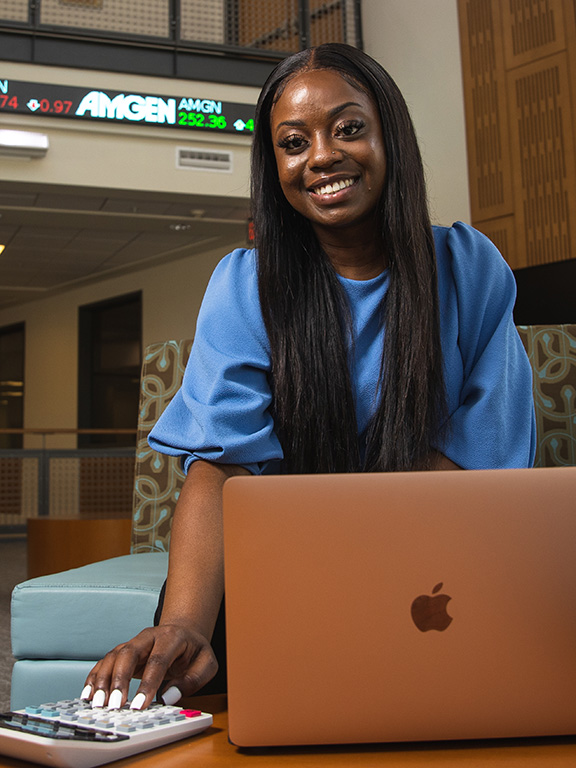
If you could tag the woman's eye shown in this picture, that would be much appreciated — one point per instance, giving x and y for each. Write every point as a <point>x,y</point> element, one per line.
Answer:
<point>349,128</point>
<point>291,142</point>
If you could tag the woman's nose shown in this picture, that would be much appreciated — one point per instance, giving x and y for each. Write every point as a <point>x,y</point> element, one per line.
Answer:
<point>324,154</point>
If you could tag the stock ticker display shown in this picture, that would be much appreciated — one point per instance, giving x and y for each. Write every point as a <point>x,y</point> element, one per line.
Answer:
<point>187,112</point>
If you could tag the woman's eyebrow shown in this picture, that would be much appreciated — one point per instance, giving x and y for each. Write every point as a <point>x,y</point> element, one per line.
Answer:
<point>341,107</point>
<point>332,113</point>
<point>291,124</point>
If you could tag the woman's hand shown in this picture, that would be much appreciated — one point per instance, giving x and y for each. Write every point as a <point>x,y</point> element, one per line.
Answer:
<point>173,653</point>
<point>178,650</point>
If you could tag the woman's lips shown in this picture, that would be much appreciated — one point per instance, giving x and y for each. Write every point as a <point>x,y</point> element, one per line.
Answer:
<point>334,187</point>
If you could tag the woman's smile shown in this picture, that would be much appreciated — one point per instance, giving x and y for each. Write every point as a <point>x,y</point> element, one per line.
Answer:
<point>330,189</point>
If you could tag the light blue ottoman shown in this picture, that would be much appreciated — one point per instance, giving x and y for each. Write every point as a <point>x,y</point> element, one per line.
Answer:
<point>63,623</point>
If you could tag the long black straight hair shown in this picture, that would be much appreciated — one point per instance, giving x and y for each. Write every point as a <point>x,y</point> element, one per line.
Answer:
<point>305,310</point>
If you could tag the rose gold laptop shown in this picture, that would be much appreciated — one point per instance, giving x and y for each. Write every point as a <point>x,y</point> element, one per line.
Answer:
<point>401,607</point>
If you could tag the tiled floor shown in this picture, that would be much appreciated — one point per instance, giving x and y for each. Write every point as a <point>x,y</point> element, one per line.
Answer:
<point>12,572</point>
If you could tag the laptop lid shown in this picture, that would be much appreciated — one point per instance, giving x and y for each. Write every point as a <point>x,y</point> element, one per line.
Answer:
<point>400,607</point>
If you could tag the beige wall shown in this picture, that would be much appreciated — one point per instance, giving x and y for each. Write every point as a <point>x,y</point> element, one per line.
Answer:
<point>417,41</point>
<point>171,296</point>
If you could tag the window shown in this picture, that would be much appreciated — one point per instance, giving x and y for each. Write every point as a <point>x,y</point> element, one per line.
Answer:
<point>11,383</point>
<point>109,360</point>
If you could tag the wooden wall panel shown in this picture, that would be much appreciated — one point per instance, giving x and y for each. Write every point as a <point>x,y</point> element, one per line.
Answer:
<point>485,105</point>
<point>519,76</point>
<point>570,33</point>
<point>532,30</point>
<point>544,163</point>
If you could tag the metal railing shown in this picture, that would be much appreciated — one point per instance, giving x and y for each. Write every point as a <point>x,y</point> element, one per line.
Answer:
<point>86,482</point>
<point>272,28</point>
<point>48,431</point>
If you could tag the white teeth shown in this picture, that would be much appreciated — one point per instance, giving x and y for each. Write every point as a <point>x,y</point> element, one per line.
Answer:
<point>329,189</point>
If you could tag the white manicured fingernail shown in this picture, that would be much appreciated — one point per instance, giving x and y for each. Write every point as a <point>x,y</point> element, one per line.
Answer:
<point>98,699</point>
<point>86,691</point>
<point>137,701</point>
<point>115,700</point>
<point>172,695</point>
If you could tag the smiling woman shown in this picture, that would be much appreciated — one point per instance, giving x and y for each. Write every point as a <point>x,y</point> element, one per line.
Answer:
<point>356,337</point>
<point>327,116</point>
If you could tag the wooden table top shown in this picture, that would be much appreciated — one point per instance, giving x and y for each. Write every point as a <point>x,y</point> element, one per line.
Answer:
<point>212,749</point>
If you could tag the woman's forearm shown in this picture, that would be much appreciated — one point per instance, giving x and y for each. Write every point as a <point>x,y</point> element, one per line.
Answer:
<point>196,571</point>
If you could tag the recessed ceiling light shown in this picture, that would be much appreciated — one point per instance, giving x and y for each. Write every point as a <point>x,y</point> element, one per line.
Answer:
<point>2,248</point>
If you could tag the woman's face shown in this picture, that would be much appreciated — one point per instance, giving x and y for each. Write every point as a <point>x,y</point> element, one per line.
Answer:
<point>329,150</point>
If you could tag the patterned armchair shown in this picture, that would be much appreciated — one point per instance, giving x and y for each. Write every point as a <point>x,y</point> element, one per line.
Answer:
<point>552,353</point>
<point>63,623</point>
<point>158,478</point>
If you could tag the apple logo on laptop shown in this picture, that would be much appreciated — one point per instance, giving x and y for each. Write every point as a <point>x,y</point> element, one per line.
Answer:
<point>430,612</point>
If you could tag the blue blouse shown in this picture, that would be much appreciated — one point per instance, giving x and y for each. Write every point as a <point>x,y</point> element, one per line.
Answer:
<point>222,411</point>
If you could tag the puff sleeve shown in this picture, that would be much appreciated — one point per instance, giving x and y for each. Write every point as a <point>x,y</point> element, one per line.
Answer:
<point>221,412</point>
<point>488,376</point>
